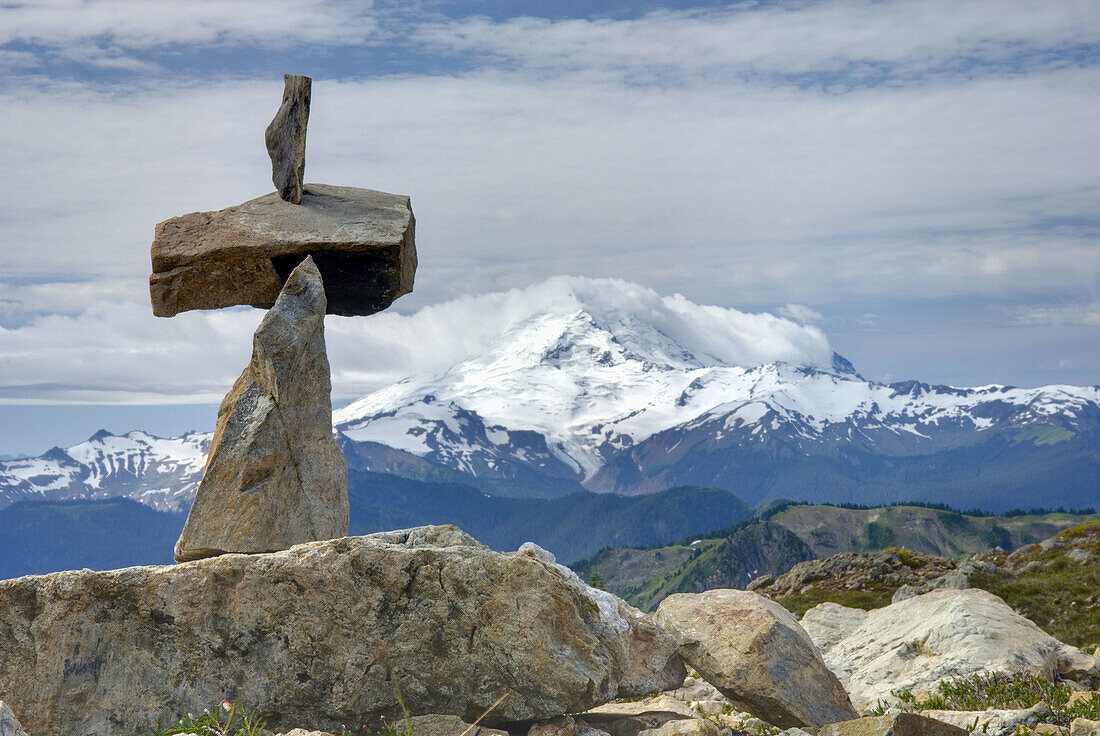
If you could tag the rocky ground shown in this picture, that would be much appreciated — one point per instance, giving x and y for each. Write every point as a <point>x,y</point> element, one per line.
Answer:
<point>345,633</point>
<point>1055,583</point>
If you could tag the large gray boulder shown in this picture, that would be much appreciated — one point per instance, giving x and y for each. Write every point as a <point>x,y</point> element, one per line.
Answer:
<point>755,653</point>
<point>274,475</point>
<point>362,242</point>
<point>915,643</point>
<point>322,635</point>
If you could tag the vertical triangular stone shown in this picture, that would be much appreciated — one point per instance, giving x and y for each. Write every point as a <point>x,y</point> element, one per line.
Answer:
<point>274,476</point>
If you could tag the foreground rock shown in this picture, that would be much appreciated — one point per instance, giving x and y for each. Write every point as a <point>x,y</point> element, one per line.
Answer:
<point>915,643</point>
<point>9,724</point>
<point>317,636</point>
<point>274,476</point>
<point>361,240</point>
<point>755,653</point>
<point>286,138</point>
<point>1084,727</point>
<point>434,724</point>
<point>893,724</point>
<point>992,722</point>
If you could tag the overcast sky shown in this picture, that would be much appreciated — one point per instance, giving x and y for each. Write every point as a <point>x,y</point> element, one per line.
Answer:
<point>920,181</point>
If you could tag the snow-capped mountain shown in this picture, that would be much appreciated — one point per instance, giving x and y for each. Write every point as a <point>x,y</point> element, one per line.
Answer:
<point>596,393</point>
<point>605,385</point>
<point>161,473</point>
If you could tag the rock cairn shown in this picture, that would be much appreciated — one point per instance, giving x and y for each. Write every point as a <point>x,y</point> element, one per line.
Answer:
<point>274,476</point>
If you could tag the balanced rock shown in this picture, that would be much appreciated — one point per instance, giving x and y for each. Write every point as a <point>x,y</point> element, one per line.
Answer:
<point>322,635</point>
<point>286,138</point>
<point>274,476</point>
<point>915,643</point>
<point>755,653</point>
<point>361,240</point>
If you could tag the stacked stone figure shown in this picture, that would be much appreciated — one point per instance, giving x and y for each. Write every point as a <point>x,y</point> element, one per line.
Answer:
<point>275,476</point>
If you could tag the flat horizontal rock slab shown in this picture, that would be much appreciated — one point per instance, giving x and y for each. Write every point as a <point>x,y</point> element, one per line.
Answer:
<point>361,240</point>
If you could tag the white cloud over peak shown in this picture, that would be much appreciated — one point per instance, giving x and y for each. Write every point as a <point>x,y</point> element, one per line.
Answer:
<point>799,313</point>
<point>120,353</point>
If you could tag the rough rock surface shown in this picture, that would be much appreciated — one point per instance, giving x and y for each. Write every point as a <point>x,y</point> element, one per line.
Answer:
<point>274,476</point>
<point>893,724</point>
<point>917,642</point>
<point>958,578</point>
<point>569,726</point>
<point>683,727</point>
<point>828,623</point>
<point>1084,727</point>
<point>286,138</point>
<point>9,724</point>
<point>361,240</point>
<point>620,719</point>
<point>435,724</point>
<point>753,650</point>
<point>991,722</point>
<point>696,689</point>
<point>316,636</point>
<point>884,570</point>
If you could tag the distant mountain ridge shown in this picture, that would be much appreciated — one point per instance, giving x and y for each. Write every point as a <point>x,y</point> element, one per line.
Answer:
<point>160,473</point>
<point>775,542</point>
<point>45,536</point>
<point>604,386</point>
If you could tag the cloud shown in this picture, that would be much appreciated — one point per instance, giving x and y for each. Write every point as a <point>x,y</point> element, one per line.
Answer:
<point>120,353</point>
<point>848,42</point>
<point>799,313</point>
<point>729,195</point>
<point>1085,315</point>
<point>765,153</point>
<point>144,24</point>
<point>868,319</point>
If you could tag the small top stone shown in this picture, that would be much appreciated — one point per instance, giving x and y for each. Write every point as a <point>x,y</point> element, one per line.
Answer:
<point>286,138</point>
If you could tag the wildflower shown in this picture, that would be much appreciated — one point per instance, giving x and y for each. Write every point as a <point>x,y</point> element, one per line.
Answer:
<point>226,706</point>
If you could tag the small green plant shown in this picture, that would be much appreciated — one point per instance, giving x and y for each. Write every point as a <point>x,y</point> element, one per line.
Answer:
<point>387,728</point>
<point>238,722</point>
<point>999,691</point>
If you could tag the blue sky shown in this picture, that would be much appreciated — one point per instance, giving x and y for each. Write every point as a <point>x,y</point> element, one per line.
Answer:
<point>921,180</point>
